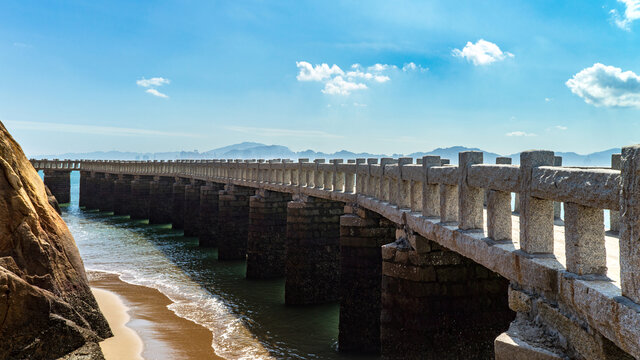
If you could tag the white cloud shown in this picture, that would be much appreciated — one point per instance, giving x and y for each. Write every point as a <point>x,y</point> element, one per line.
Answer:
<point>153,82</point>
<point>339,86</point>
<point>413,67</point>
<point>356,104</point>
<point>602,85</point>
<point>380,67</point>
<point>481,53</point>
<point>337,82</point>
<point>157,93</point>
<point>519,133</point>
<point>548,99</point>
<point>367,76</point>
<point>282,132</point>
<point>91,129</point>
<point>320,72</point>
<point>631,14</point>
<point>561,127</point>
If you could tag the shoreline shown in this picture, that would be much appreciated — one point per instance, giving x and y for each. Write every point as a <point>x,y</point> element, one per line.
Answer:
<point>143,325</point>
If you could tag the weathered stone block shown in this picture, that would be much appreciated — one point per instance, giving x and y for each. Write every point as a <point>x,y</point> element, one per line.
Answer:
<point>140,199</point>
<point>192,208</point>
<point>509,347</point>
<point>208,234</point>
<point>267,234</point>
<point>177,206</point>
<point>233,222</point>
<point>122,195</point>
<point>160,200</point>
<point>519,301</point>
<point>58,182</point>
<point>312,252</point>
<point>360,273</point>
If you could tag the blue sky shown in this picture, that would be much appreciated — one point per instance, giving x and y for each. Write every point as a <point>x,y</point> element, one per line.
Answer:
<point>400,76</point>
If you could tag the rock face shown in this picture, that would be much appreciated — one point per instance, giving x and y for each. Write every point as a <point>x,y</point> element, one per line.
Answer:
<point>47,310</point>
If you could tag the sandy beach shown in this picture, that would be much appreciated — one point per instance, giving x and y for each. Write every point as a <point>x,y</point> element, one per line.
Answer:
<point>143,326</point>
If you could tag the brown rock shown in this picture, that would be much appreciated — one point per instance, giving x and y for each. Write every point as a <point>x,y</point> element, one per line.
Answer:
<point>46,307</point>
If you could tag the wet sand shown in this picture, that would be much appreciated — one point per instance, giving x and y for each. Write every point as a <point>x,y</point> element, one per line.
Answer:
<point>151,328</point>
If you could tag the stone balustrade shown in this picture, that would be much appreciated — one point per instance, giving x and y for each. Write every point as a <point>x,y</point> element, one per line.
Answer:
<point>445,204</point>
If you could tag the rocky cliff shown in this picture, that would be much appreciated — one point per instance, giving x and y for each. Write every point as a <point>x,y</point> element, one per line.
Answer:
<point>47,310</point>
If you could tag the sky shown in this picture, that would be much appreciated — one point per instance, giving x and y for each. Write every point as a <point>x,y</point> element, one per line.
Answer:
<point>366,76</point>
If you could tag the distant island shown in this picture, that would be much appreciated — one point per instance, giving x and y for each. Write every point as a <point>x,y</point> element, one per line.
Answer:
<point>253,150</point>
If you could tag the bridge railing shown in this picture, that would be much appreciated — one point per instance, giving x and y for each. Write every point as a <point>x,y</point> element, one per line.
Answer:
<point>455,194</point>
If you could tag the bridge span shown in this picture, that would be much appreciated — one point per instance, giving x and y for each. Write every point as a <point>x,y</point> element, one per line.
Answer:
<point>428,260</point>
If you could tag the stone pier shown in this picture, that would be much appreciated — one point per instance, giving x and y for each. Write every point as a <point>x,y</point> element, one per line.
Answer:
<point>92,186</point>
<point>209,198</point>
<point>104,193</point>
<point>192,208</point>
<point>177,207</point>
<point>122,194</point>
<point>437,304</point>
<point>160,200</point>
<point>362,234</point>
<point>84,175</point>
<point>312,265</point>
<point>140,199</point>
<point>58,181</point>
<point>233,222</point>
<point>267,234</point>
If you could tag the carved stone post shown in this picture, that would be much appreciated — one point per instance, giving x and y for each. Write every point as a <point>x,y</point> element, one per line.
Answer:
<point>536,215</point>
<point>430,192</point>
<point>630,223</point>
<point>614,216</point>
<point>470,199</point>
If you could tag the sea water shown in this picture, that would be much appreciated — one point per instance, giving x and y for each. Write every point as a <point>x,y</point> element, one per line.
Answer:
<point>248,318</point>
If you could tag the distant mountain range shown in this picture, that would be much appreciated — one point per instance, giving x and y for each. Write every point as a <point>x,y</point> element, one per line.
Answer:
<point>252,150</point>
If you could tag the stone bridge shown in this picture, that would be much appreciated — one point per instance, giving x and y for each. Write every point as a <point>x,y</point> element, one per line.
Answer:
<point>427,260</point>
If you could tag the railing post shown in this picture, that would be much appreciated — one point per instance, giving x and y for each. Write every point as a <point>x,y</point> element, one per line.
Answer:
<point>536,215</point>
<point>630,223</point>
<point>361,179</point>
<point>470,199</point>
<point>403,189</point>
<point>584,239</point>
<point>383,187</point>
<point>499,225</point>
<point>350,177</point>
<point>557,206</point>
<point>430,192</point>
<point>302,173</point>
<point>614,216</point>
<point>372,181</point>
<point>318,174</point>
<point>338,176</point>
